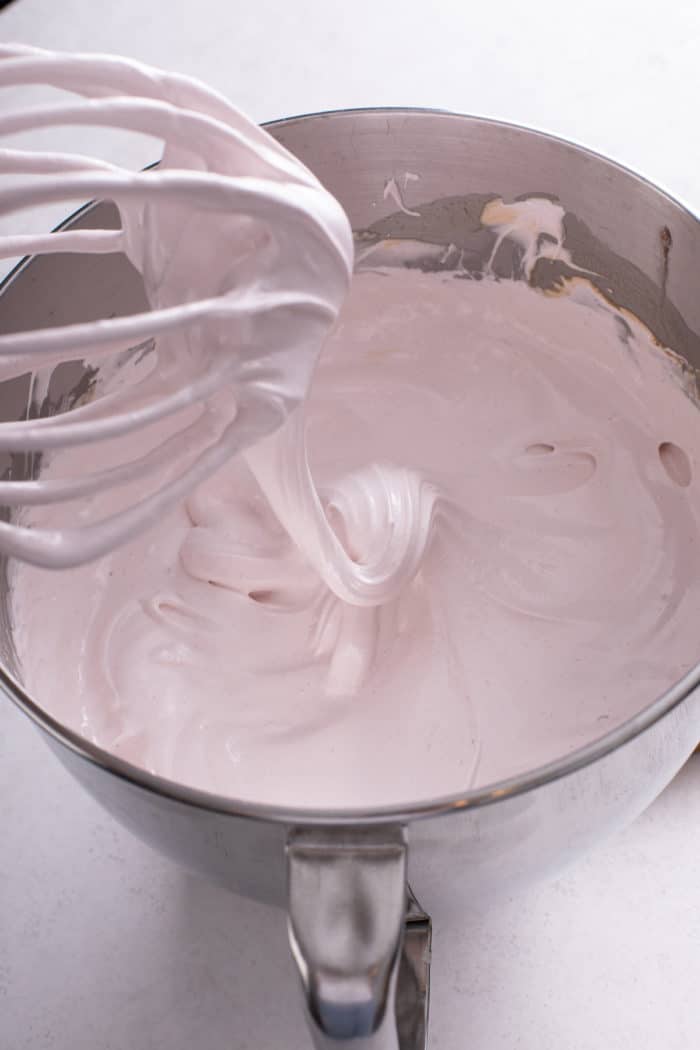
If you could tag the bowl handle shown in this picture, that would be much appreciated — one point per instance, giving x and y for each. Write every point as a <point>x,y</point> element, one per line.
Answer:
<point>360,941</point>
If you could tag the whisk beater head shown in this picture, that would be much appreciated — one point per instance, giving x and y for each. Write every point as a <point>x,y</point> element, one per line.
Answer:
<point>245,259</point>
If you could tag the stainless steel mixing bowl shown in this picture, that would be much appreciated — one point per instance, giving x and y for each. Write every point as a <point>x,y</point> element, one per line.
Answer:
<point>360,938</point>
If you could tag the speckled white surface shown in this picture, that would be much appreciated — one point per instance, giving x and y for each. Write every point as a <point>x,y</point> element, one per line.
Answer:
<point>106,946</point>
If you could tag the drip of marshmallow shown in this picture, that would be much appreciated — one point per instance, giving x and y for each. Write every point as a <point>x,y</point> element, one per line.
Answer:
<point>535,224</point>
<point>246,260</point>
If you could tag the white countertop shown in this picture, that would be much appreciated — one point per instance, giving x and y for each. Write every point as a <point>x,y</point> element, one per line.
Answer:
<point>106,946</point>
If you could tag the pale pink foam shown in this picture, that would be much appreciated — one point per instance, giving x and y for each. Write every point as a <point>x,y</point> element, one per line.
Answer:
<point>560,592</point>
